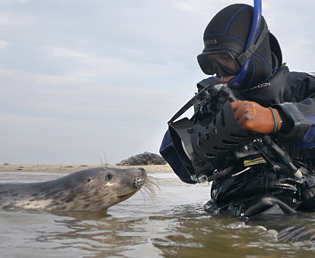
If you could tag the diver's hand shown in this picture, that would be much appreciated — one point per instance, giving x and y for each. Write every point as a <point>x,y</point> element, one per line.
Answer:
<point>252,116</point>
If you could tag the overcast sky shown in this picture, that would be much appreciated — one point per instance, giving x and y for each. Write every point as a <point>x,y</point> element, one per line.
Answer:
<point>80,78</point>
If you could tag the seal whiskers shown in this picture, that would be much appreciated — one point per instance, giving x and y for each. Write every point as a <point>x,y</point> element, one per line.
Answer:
<point>148,188</point>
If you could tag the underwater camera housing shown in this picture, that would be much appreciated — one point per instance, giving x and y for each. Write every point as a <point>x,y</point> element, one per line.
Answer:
<point>207,142</point>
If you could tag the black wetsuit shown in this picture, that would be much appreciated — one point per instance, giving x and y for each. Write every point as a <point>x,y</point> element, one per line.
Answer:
<point>260,189</point>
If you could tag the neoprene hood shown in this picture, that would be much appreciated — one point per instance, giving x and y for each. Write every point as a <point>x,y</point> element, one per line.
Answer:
<point>228,32</point>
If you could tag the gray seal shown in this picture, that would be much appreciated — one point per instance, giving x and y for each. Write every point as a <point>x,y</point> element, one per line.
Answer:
<point>85,190</point>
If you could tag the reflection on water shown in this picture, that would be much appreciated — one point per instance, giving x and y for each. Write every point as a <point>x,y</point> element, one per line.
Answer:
<point>172,225</point>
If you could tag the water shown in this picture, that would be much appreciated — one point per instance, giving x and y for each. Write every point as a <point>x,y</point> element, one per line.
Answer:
<point>172,225</point>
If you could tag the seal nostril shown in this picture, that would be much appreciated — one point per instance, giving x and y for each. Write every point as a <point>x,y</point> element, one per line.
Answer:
<point>138,182</point>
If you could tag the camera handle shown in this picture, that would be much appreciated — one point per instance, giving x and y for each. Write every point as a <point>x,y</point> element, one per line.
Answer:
<point>275,149</point>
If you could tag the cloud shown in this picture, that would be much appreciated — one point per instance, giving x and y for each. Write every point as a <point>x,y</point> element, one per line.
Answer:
<point>50,121</point>
<point>3,44</point>
<point>205,8</point>
<point>10,21</point>
<point>13,2</point>
<point>78,77</point>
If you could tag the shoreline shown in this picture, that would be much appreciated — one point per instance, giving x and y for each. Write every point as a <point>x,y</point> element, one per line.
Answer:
<point>69,168</point>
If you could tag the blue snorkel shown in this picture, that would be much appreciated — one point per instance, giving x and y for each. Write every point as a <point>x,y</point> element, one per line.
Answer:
<point>236,82</point>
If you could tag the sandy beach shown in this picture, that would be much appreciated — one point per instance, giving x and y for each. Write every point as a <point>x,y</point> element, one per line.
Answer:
<point>69,168</point>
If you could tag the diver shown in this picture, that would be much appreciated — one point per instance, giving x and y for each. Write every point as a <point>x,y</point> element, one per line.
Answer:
<point>247,155</point>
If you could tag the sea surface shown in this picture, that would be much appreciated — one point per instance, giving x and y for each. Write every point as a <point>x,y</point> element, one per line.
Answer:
<point>170,224</point>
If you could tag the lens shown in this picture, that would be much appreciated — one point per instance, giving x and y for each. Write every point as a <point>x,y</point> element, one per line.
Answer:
<point>219,63</point>
<point>221,70</point>
<point>222,64</point>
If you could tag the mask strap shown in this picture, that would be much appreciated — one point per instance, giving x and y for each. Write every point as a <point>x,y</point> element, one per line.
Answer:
<point>243,58</point>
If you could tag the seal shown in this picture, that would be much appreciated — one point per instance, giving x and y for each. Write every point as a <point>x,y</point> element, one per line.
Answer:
<point>85,190</point>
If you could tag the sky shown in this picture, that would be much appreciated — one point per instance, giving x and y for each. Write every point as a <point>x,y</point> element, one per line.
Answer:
<point>91,81</point>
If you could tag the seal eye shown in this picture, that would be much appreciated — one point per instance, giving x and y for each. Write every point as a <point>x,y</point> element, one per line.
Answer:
<point>108,177</point>
<point>88,180</point>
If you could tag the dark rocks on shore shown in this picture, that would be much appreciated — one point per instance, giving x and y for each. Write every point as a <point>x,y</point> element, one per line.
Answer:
<point>145,158</point>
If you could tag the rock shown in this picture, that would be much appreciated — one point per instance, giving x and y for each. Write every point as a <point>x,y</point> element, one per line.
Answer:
<point>145,158</point>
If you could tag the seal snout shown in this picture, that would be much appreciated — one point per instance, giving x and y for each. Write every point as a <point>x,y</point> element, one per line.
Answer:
<point>140,178</point>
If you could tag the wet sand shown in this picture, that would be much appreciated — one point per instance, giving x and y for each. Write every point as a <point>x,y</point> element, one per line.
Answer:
<point>68,168</point>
